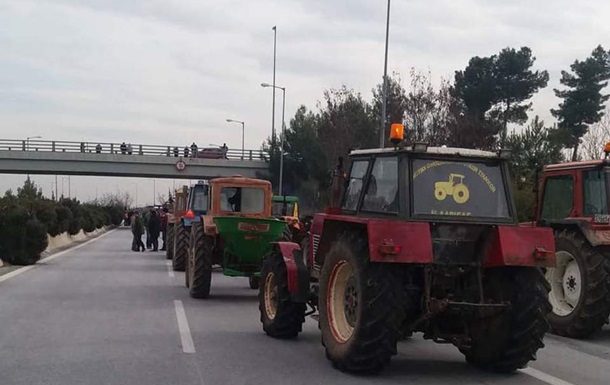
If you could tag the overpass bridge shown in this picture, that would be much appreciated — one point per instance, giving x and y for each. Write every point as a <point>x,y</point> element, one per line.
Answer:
<point>112,159</point>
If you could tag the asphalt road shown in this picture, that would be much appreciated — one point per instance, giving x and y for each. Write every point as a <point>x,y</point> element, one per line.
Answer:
<point>101,314</point>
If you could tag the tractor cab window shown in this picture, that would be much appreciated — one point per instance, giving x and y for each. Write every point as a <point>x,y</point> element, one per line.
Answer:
<point>459,189</point>
<point>247,200</point>
<point>594,190</point>
<point>558,197</point>
<point>277,208</point>
<point>199,200</point>
<point>382,190</point>
<point>355,184</point>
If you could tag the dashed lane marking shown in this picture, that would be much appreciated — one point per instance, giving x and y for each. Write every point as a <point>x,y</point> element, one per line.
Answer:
<point>544,377</point>
<point>188,346</point>
<point>170,270</point>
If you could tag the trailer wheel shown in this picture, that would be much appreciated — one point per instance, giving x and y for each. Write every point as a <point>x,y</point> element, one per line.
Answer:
<point>580,287</point>
<point>508,341</point>
<point>181,248</point>
<point>359,309</point>
<point>169,239</point>
<point>281,317</point>
<point>200,268</point>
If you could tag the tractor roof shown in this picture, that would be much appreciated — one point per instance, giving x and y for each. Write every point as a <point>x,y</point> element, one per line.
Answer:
<point>240,181</point>
<point>286,198</point>
<point>465,152</point>
<point>575,165</point>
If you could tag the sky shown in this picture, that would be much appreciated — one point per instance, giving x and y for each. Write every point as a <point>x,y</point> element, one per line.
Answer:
<point>172,72</point>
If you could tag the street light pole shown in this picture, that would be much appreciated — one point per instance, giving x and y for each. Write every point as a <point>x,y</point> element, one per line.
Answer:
<point>273,105</point>
<point>27,141</point>
<point>283,134</point>
<point>384,98</point>
<point>243,128</point>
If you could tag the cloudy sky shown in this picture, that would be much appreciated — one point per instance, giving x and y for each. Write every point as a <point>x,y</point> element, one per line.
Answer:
<point>172,72</point>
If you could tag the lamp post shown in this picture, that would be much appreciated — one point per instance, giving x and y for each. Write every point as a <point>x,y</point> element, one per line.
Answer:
<point>273,104</point>
<point>243,153</point>
<point>27,141</point>
<point>282,134</point>
<point>384,97</point>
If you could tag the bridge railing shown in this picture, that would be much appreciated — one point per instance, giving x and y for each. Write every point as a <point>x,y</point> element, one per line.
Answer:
<point>130,149</point>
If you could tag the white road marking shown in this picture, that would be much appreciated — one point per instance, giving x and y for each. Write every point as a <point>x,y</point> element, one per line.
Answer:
<point>188,346</point>
<point>542,376</point>
<point>22,270</point>
<point>170,270</point>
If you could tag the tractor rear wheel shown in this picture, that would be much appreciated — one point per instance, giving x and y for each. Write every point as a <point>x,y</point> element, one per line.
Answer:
<point>181,248</point>
<point>359,309</point>
<point>281,317</point>
<point>580,287</point>
<point>200,262</point>
<point>508,341</point>
<point>169,239</point>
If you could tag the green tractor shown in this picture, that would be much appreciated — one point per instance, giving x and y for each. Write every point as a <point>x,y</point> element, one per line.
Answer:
<point>235,233</point>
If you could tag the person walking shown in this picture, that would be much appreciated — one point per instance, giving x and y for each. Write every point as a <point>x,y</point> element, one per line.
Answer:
<point>137,229</point>
<point>194,150</point>
<point>154,228</point>
<point>176,151</point>
<point>224,149</point>
<point>186,152</point>
<point>123,148</point>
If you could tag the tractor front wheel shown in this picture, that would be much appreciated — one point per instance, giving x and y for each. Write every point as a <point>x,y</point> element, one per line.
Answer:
<point>200,262</point>
<point>580,287</point>
<point>281,317</point>
<point>181,247</point>
<point>508,341</point>
<point>359,309</point>
<point>169,239</point>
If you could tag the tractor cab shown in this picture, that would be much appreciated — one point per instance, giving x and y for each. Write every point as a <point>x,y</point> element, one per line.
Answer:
<point>573,201</point>
<point>198,202</point>
<point>285,206</point>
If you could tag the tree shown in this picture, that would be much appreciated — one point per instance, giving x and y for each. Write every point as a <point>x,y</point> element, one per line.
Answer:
<point>515,83</point>
<point>533,148</point>
<point>597,136</point>
<point>490,93</point>
<point>583,102</point>
<point>395,104</point>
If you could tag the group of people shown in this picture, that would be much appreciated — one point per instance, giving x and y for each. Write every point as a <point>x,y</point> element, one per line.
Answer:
<point>153,223</point>
<point>188,151</point>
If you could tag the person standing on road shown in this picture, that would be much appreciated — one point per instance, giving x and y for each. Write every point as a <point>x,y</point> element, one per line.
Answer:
<point>224,149</point>
<point>146,218</point>
<point>137,229</point>
<point>164,228</point>
<point>154,227</point>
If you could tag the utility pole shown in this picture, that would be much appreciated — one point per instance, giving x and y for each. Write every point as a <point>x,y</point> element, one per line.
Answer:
<point>384,98</point>
<point>273,105</point>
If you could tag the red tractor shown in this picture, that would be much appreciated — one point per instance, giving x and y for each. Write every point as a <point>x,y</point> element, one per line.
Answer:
<point>574,203</point>
<point>396,256</point>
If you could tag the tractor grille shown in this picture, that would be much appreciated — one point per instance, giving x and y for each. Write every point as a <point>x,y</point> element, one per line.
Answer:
<point>316,242</point>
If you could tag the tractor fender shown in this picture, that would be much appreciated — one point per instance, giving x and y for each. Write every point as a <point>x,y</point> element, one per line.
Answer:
<point>296,271</point>
<point>520,246</point>
<point>209,227</point>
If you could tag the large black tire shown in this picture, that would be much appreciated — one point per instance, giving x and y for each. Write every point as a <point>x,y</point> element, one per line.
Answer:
<point>593,306</point>
<point>359,309</point>
<point>169,241</point>
<point>254,282</point>
<point>200,262</point>
<point>281,317</point>
<point>181,248</point>
<point>508,341</point>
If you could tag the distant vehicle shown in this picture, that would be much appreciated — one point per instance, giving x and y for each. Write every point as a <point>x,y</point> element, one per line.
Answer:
<point>212,153</point>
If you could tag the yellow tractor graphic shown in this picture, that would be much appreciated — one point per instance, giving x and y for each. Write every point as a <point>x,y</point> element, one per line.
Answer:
<point>454,186</point>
